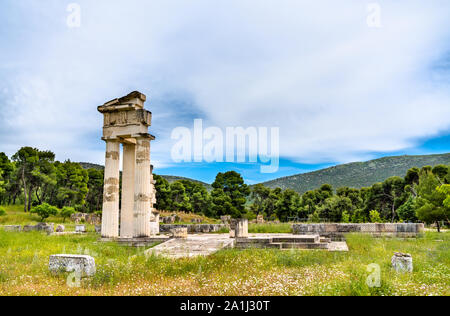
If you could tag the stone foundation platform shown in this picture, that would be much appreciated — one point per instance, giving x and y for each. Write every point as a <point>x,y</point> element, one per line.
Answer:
<point>337,231</point>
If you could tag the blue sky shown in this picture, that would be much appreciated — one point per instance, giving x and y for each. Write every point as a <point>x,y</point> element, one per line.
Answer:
<point>339,90</point>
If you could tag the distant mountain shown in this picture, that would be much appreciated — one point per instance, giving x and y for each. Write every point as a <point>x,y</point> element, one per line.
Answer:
<point>171,179</point>
<point>88,165</point>
<point>358,174</point>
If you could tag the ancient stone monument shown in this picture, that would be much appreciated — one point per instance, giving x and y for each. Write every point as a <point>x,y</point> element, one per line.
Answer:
<point>126,122</point>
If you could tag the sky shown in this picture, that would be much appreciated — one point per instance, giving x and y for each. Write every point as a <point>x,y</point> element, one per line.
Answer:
<point>343,81</point>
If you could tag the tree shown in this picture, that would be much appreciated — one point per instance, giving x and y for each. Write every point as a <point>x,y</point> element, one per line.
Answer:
<point>66,212</point>
<point>433,204</point>
<point>72,184</point>
<point>197,196</point>
<point>180,200</point>
<point>334,207</point>
<point>229,194</point>
<point>270,204</point>
<point>94,197</point>
<point>259,195</point>
<point>407,211</point>
<point>288,205</point>
<point>163,200</point>
<point>440,171</point>
<point>44,211</point>
<point>34,169</point>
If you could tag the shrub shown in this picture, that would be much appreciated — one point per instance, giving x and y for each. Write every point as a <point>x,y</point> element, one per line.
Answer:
<point>375,217</point>
<point>66,212</point>
<point>2,211</point>
<point>345,217</point>
<point>44,211</point>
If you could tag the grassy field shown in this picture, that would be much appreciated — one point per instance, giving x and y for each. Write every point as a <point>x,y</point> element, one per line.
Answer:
<point>16,216</point>
<point>127,271</point>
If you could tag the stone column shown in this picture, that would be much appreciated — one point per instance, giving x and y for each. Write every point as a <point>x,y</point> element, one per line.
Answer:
<point>142,189</point>
<point>126,211</point>
<point>110,215</point>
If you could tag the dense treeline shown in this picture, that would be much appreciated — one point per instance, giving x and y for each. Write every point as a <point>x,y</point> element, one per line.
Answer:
<point>32,177</point>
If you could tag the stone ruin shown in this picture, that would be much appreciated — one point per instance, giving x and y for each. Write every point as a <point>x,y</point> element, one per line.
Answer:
<point>126,123</point>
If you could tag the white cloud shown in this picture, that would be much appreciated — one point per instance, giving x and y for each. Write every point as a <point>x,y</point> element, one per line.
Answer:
<point>338,89</point>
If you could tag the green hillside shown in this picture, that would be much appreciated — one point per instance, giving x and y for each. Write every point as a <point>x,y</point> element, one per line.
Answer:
<point>358,174</point>
<point>172,179</point>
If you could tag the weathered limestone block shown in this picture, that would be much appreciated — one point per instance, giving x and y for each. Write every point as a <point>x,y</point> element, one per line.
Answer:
<point>390,228</point>
<point>331,228</point>
<point>180,232</point>
<point>93,219</point>
<point>241,228</point>
<point>43,227</point>
<point>197,228</point>
<point>368,228</point>
<point>168,219</point>
<point>85,265</point>
<point>225,219</point>
<point>260,219</point>
<point>80,228</point>
<point>402,262</point>
<point>348,228</point>
<point>60,228</point>
<point>154,228</point>
<point>12,228</point>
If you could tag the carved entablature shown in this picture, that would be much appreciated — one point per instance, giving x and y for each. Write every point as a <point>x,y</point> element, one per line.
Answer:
<point>128,117</point>
<point>125,117</point>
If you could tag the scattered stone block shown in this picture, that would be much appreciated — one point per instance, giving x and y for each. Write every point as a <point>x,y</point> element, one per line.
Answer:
<point>44,227</point>
<point>80,228</point>
<point>98,229</point>
<point>225,219</point>
<point>260,219</point>
<point>85,265</point>
<point>241,229</point>
<point>12,228</point>
<point>179,233</point>
<point>402,262</point>
<point>60,228</point>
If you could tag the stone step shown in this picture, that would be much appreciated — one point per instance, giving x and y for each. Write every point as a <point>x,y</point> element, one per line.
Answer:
<point>303,246</point>
<point>192,246</point>
<point>297,239</point>
<point>250,245</point>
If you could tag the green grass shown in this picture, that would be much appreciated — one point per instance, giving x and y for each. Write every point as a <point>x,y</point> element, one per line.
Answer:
<point>267,228</point>
<point>16,216</point>
<point>125,270</point>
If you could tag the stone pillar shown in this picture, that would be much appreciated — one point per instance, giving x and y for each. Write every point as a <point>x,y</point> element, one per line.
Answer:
<point>110,216</point>
<point>241,228</point>
<point>142,189</point>
<point>128,173</point>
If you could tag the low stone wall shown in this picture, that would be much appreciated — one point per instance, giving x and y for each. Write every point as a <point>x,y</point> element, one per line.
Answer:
<point>49,228</point>
<point>337,231</point>
<point>195,228</point>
